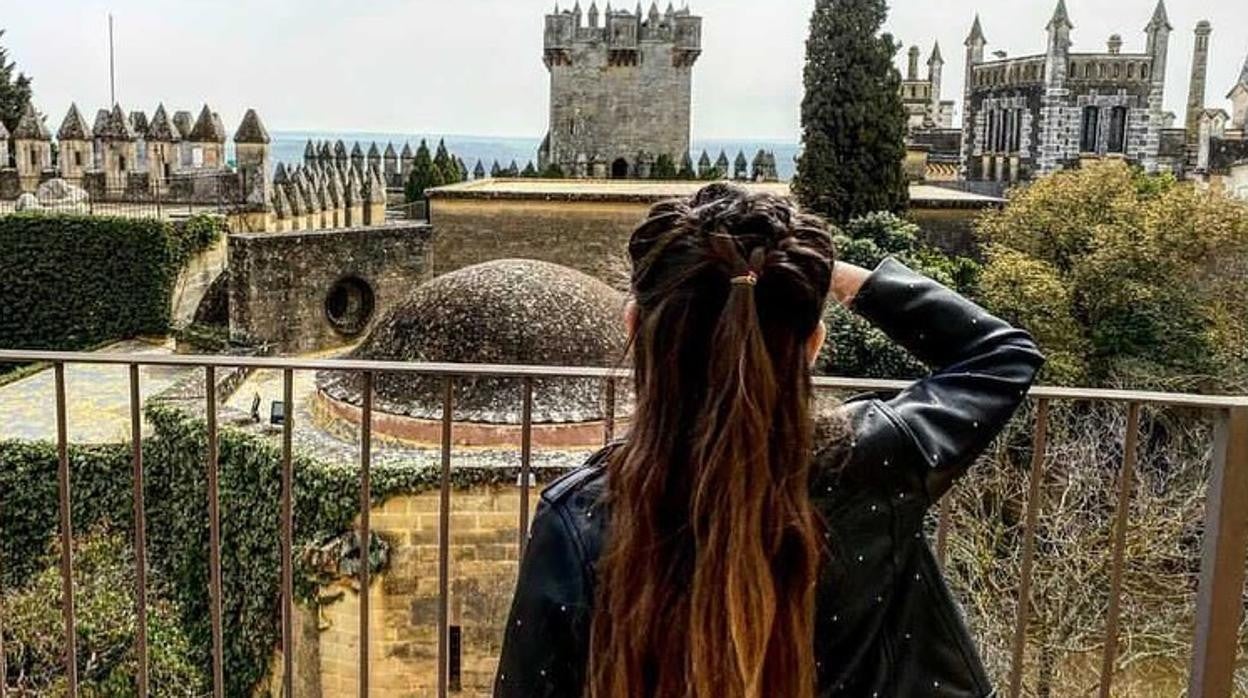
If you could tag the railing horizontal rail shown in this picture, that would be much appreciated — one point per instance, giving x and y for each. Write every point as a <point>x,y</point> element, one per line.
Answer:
<point>519,371</point>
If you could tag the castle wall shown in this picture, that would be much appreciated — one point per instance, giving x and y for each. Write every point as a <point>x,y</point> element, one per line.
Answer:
<point>403,600</point>
<point>280,282</point>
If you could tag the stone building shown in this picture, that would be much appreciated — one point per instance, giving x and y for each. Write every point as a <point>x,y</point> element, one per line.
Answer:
<point>620,89</point>
<point>74,140</point>
<point>1032,115</point>
<point>921,95</point>
<point>32,149</point>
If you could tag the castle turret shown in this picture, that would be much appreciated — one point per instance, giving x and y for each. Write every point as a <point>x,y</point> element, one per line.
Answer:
<point>406,159</point>
<point>390,167</point>
<point>935,73</point>
<point>478,172</point>
<point>912,66</point>
<point>1200,72</point>
<point>357,156</point>
<point>118,156</point>
<point>722,166</point>
<point>281,210</point>
<point>704,165</point>
<point>334,189</point>
<point>32,148</point>
<point>1157,45</point>
<point>649,60</point>
<point>1114,45</point>
<point>252,150</point>
<point>374,155</point>
<point>309,152</point>
<point>162,148</point>
<point>1053,103</point>
<point>1239,102</point>
<point>207,141</point>
<point>352,201</point>
<point>74,146</point>
<point>374,199</point>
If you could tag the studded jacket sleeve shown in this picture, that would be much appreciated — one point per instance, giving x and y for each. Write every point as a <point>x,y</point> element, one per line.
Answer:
<point>931,431</point>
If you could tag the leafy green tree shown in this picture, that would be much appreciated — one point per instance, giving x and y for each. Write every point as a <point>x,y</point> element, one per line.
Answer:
<point>855,348</point>
<point>421,177</point>
<point>14,90</point>
<point>1131,280</point>
<point>853,122</point>
<point>664,168</point>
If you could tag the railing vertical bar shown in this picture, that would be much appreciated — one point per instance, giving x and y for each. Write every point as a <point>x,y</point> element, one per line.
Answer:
<point>1219,604</point>
<point>526,461</point>
<point>288,535</point>
<point>366,530</point>
<point>4,673</point>
<point>140,531</point>
<point>1038,448</point>
<point>1125,483</point>
<point>609,413</point>
<point>444,539</point>
<point>942,529</point>
<point>67,537</point>
<point>214,536</point>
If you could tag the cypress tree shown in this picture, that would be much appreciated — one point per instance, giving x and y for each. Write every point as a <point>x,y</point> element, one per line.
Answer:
<point>664,168</point>
<point>686,169</point>
<point>421,177</point>
<point>853,122</point>
<point>529,170</point>
<point>14,91</point>
<point>442,158</point>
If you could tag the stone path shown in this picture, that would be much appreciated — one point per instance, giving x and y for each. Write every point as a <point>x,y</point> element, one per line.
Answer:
<point>97,398</point>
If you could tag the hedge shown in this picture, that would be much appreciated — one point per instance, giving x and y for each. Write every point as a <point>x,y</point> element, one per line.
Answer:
<point>70,282</point>
<point>326,502</point>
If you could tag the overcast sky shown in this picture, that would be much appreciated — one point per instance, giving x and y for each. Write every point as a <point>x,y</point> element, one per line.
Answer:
<point>474,66</point>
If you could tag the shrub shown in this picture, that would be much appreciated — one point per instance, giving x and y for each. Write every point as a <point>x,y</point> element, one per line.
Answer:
<point>107,622</point>
<point>326,500</point>
<point>74,281</point>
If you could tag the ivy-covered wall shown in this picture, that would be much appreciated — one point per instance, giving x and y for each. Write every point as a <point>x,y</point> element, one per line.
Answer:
<point>73,281</point>
<point>326,502</point>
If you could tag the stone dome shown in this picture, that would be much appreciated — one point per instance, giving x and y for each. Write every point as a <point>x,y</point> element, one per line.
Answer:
<point>501,312</point>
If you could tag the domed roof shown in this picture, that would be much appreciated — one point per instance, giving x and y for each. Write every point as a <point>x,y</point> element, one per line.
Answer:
<point>501,312</point>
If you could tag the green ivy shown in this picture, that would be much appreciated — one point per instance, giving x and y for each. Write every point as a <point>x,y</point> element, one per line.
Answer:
<point>326,499</point>
<point>74,281</point>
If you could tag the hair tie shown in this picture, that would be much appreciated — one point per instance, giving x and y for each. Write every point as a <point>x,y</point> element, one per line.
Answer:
<point>750,278</point>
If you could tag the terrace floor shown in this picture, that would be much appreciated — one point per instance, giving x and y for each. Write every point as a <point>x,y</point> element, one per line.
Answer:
<point>98,404</point>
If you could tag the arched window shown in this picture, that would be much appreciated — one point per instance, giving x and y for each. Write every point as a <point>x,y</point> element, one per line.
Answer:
<point>1130,71</point>
<point>1088,142</point>
<point>1118,130</point>
<point>1117,70</point>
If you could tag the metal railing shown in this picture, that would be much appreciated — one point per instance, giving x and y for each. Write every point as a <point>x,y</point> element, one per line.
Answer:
<point>1218,609</point>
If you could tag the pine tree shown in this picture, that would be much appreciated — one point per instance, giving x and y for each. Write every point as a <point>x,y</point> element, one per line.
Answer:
<point>421,177</point>
<point>495,170</point>
<point>529,171</point>
<point>664,168</point>
<point>853,123</point>
<point>442,158</point>
<point>14,90</point>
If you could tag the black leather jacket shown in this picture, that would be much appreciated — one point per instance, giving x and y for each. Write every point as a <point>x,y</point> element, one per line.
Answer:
<point>886,624</point>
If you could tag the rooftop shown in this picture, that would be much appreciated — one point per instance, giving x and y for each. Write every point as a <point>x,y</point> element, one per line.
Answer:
<point>651,191</point>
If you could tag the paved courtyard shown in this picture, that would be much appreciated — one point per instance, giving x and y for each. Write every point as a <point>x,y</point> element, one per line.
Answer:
<point>97,397</point>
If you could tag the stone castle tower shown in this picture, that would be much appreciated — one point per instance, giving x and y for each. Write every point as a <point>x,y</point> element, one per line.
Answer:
<point>1200,73</point>
<point>620,89</point>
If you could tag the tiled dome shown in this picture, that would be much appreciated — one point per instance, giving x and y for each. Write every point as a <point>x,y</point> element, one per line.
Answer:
<point>501,312</point>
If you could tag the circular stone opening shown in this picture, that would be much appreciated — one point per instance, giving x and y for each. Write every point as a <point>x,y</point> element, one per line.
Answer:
<point>349,305</point>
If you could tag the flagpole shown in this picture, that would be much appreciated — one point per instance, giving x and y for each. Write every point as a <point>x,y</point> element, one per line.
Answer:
<point>112,82</point>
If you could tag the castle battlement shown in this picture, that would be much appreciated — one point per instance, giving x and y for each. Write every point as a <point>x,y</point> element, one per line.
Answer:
<point>622,33</point>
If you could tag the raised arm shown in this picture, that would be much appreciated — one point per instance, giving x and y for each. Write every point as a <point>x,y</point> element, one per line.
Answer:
<point>982,368</point>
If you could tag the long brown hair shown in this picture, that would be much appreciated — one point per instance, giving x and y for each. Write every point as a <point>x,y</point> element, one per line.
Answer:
<point>706,585</point>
